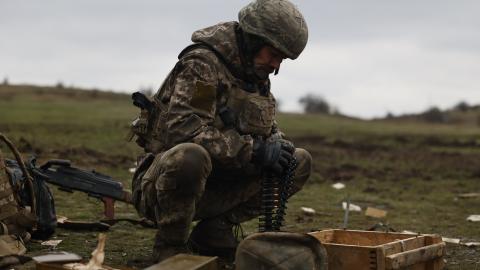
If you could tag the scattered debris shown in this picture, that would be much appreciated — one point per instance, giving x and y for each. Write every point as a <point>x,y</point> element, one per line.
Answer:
<point>352,207</point>
<point>469,195</point>
<point>471,244</point>
<point>61,219</point>
<point>98,256</point>
<point>133,169</point>
<point>338,185</point>
<point>308,211</point>
<point>56,257</point>
<point>375,212</point>
<point>409,232</point>
<point>451,240</point>
<point>51,243</point>
<point>473,218</point>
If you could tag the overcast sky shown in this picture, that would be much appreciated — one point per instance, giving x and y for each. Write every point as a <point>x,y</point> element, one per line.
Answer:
<point>367,57</point>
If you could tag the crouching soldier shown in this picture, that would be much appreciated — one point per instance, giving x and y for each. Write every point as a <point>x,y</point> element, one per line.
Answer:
<point>211,131</point>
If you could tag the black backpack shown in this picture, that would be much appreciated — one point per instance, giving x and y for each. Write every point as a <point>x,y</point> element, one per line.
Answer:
<point>45,206</point>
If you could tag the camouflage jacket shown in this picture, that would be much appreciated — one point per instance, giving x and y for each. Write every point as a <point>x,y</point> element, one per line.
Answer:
<point>203,90</point>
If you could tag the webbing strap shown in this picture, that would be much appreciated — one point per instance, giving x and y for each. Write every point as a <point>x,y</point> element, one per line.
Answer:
<point>4,228</point>
<point>28,177</point>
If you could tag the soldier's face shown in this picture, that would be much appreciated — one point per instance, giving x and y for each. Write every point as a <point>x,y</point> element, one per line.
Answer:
<point>268,59</point>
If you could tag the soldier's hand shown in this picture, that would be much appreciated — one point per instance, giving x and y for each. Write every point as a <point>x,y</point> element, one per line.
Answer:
<point>274,155</point>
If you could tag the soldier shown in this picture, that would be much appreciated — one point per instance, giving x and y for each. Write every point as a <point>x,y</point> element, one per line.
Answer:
<point>211,133</point>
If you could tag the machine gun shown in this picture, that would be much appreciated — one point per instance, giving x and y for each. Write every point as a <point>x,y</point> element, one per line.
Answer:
<point>60,173</point>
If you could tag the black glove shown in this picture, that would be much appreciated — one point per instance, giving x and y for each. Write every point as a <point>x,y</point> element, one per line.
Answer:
<point>274,155</point>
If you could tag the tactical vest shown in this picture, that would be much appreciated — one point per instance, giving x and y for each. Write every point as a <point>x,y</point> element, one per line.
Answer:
<point>247,112</point>
<point>244,107</point>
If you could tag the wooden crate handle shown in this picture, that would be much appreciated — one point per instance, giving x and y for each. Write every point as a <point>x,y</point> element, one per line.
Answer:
<point>414,256</point>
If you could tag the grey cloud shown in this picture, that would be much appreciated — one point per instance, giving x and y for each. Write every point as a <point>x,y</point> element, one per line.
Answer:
<point>388,50</point>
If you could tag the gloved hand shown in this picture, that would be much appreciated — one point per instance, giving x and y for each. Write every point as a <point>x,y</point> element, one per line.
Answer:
<point>274,155</point>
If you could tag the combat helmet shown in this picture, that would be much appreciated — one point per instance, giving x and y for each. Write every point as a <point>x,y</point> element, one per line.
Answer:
<point>279,22</point>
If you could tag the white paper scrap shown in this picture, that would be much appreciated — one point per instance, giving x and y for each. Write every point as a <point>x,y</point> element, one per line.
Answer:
<point>451,240</point>
<point>472,244</point>
<point>353,207</point>
<point>132,170</point>
<point>308,211</point>
<point>338,185</point>
<point>473,218</point>
<point>51,243</point>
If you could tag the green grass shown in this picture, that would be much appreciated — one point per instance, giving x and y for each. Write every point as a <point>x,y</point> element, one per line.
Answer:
<point>413,170</point>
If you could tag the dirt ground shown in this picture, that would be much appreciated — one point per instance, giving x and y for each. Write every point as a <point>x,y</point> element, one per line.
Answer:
<point>418,182</point>
<point>415,172</point>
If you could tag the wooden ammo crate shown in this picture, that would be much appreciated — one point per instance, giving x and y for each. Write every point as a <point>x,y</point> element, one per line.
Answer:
<point>366,250</point>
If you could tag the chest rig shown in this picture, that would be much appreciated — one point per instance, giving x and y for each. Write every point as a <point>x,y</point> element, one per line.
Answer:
<point>247,109</point>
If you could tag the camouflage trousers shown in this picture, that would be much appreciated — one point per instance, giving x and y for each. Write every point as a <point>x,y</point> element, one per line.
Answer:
<point>181,186</point>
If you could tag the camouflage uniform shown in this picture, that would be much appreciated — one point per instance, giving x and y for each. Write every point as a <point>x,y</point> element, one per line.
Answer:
<point>202,166</point>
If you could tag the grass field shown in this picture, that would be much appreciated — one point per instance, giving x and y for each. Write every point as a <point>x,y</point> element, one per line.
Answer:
<point>413,170</point>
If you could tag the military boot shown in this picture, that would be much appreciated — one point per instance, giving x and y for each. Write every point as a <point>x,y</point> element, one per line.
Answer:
<point>164,248</point>
<point>214,237</point>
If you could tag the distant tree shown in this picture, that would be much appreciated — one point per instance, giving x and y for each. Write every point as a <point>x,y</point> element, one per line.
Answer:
<point>59,85</point>
<point>5,81</point>
<point>335,110</point>
<point>434,115</point>
<point>389,115</point>
<point>462,106</point>
<point>315,104</point>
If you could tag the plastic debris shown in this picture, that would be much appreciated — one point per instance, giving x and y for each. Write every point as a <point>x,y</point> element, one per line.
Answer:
<point>61,219</point>
<point>471,244</point>
<point>375,212</point>
<point>308,211</point>
<point>57,257</point>
<point>51,243</point>
<point>469,195</point>
<point>473,218</point>
<point>98,256</point>
<point>451,240</point>
<point>338,185</point>
<point>353,207</point>
<point>132,170</point>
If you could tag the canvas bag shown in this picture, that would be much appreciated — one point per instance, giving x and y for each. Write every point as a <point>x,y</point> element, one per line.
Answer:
<point>11,245</point>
